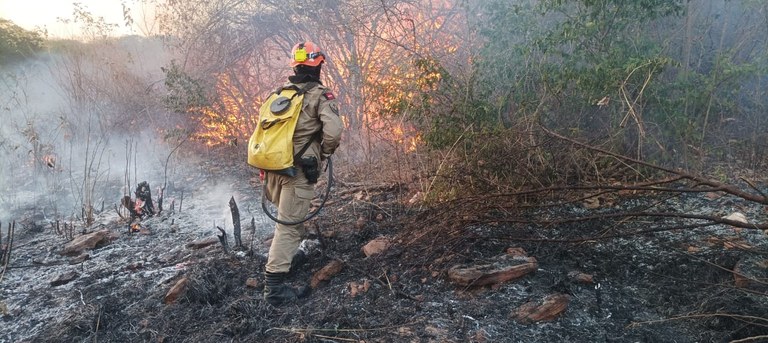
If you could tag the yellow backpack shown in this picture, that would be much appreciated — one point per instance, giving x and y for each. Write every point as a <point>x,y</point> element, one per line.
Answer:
<point>271,144</point>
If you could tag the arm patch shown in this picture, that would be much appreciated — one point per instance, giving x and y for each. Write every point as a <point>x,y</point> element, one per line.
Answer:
<point>329,96</point>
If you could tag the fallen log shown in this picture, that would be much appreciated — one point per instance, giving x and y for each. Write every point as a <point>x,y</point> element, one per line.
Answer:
<point>504,268</point>
<point>547,309</point>
<point>86,242</point>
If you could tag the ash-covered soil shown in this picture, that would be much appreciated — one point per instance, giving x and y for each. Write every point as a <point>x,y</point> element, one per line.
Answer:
<point>670,286</point>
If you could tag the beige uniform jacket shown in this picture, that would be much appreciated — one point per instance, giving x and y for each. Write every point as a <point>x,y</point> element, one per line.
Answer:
<point>319,112</point>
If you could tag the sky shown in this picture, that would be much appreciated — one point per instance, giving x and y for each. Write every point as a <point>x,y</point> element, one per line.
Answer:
<point>45,14</point>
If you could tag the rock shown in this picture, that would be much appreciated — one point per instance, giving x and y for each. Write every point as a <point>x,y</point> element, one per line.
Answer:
<point>202,243</point>
<point>547,309</point>
<point>505,268</point>
<point>326,273</point>
<point>88,241</point>
<point>376,246</point>
<point>252,283</point>
<point>63,279</point>
<point>357,288</point>
<point>580,277</point>
<point>176,291</point>
<point>515,251</point>
<point>737,217</point>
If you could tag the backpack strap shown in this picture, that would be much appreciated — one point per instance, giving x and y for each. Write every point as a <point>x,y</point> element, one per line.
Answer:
<point>316,137</point>
<point>307,87</point>
<point>299,91</point>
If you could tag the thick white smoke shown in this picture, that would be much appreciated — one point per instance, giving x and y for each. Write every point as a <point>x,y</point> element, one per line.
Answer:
<point>74,124</point>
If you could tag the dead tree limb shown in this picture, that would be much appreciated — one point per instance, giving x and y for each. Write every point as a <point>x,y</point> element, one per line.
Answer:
<point>644,186</point>
<point>160,192</point>
<point>601,237</point>
<point>235,222</point>
<point>223,240</point>
<point>751,185</point>
<point>253,231</point>
<point>730,189</point>
<point>712,219</point>
<point>117,210</point>
<point>181,201</point>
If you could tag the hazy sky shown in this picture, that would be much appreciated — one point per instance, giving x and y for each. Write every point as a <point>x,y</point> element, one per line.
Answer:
<point>32,14</point>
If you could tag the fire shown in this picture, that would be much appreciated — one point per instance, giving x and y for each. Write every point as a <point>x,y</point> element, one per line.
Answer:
<point>226,121</point>
<point>397,84</point>
<point>409,139</point>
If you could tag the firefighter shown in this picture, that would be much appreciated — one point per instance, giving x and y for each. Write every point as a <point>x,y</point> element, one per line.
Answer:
<point>320,123</point>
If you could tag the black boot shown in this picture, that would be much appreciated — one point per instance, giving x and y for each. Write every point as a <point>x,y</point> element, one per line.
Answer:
<point>276,292</point>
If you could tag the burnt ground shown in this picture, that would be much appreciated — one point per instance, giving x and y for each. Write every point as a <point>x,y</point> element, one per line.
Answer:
<point>668,286</point>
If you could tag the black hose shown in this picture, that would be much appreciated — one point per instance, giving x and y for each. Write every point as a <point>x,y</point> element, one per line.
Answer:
<point>312,214</point>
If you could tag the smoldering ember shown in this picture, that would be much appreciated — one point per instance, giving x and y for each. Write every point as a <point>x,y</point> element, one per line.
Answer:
<point>508,171</point>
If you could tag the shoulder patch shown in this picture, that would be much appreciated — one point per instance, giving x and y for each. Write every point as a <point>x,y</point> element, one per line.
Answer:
<point>329,96</point>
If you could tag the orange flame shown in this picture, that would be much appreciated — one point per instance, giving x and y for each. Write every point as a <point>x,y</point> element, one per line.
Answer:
<point>226,120</point>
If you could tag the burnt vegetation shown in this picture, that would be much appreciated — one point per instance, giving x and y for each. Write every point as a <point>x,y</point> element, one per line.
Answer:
<point>511,171</point>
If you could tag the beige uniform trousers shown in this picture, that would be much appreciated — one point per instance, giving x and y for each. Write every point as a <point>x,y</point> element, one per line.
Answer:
<point>292,196</point>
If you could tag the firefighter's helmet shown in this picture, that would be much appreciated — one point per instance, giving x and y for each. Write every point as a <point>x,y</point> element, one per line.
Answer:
<point>307,54</point>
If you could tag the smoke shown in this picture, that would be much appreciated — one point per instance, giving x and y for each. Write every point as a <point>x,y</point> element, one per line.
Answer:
<point>77,124</point>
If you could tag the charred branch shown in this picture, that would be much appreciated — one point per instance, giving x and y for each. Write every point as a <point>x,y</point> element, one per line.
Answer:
<point>235,222</point>
<point>253,232</point>
<point>181,200</point>
<point>625,215</point>
<point>55,227</point>
<point>160,192</point>
<point>223,240</point>
<point>717,185</point>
